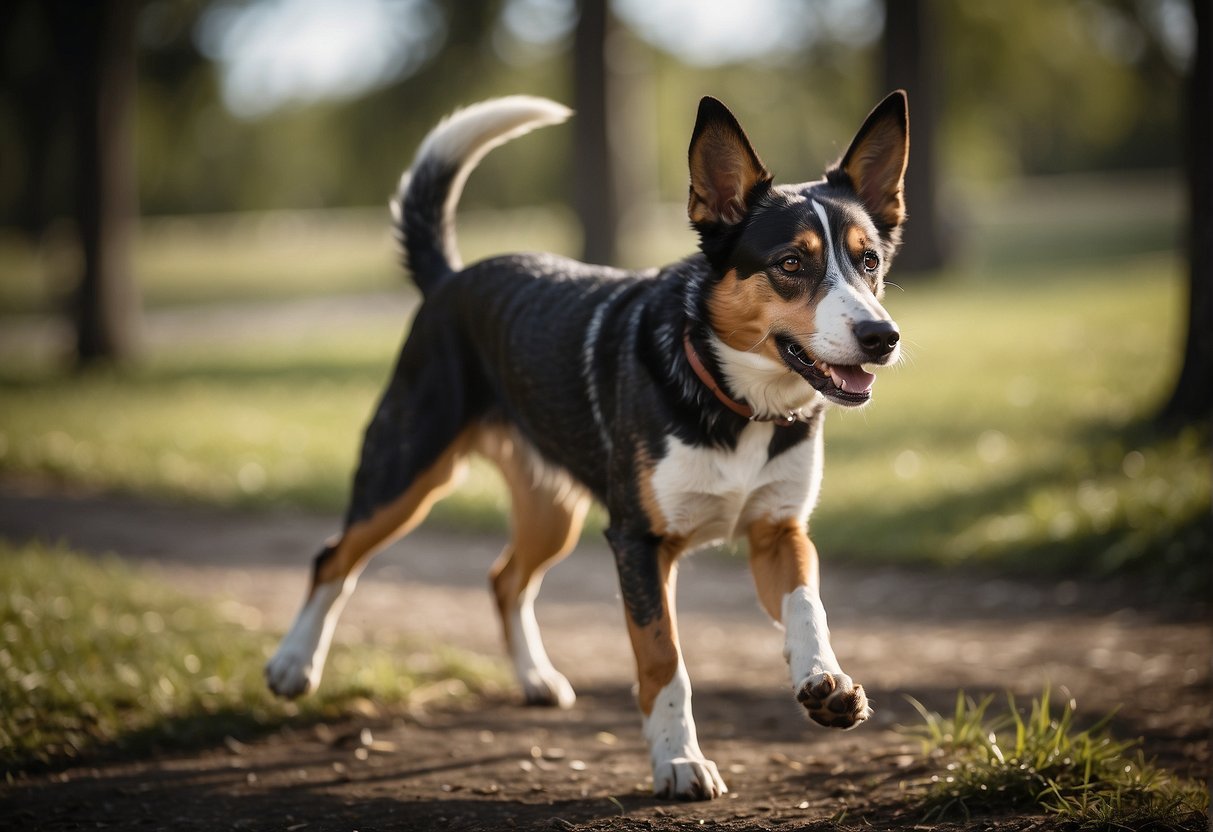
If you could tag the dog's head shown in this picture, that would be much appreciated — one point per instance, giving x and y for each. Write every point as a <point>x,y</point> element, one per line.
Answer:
<point>798,270</point>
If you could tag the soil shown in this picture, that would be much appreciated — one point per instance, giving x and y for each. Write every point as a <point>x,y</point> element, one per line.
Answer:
<point>490,764</point>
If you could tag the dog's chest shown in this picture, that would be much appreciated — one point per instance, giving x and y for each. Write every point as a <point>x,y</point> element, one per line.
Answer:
<point>707,495</point>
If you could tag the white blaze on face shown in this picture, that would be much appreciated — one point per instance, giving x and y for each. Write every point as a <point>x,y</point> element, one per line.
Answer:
<point>844,305</point>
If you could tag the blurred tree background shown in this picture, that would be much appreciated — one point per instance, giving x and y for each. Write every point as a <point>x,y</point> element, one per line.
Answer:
<point>247,105</point>
<point>1056,144</point>
<point>250,105</point>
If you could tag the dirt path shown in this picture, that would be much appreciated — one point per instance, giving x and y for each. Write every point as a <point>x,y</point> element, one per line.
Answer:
<point>496,765</point>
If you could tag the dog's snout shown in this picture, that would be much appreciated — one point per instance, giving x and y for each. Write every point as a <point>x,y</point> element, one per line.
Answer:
<point>877,338</point>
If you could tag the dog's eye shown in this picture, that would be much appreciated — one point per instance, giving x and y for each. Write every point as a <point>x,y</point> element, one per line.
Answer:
<point>870,261</point>
<point>790,265</point>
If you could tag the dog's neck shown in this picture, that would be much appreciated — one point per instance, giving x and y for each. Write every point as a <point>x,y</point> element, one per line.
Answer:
<point>740,408</point>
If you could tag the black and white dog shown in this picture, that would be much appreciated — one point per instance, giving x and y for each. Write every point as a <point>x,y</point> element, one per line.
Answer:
<point>688,400</point>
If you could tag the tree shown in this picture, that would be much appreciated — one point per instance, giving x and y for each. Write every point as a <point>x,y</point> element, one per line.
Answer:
<point>96,50</point>
<point>1192,398</point>
<point>594,195</point>
<point>31,87</point>
<point>70,80</point>
<point>908,51</point>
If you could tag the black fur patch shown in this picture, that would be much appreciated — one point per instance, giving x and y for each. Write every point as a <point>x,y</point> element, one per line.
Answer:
<point>640,584</point>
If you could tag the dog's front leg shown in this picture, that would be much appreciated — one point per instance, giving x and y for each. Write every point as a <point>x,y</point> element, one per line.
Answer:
<point>784,562</point>
<point>646,578</point>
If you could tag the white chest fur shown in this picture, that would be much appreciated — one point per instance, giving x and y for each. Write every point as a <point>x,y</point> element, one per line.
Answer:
<point>710,494</point>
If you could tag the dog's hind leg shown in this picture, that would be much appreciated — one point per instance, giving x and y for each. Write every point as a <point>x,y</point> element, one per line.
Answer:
<point>401,476</point>
<point>548,509</point>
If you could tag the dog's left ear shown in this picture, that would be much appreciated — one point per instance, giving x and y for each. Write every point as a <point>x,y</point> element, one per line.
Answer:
<point>875,163</point>
<point>724,167</point>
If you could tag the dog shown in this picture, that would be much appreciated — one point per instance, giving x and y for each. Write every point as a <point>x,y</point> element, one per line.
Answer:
<point>688,400</point>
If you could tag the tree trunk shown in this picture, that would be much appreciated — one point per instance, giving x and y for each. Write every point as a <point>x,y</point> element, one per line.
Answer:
<point>908,50</point>
<point>1192,398</point>
<point>98,49</point>
<point>594,196</point>
<point>36,90</point>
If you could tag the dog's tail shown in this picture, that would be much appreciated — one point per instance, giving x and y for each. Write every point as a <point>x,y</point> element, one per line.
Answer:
<point>423,210</point>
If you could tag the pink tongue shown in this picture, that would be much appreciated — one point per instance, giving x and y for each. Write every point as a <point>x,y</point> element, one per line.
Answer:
<point>852,379</point>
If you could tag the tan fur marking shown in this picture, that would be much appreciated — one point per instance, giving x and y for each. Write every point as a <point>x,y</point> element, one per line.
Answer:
<point>546,519</point>
<point>810,241</point>
<point>656,644</point>
<point>397,518</point>
<point>856,241</point>
<point>782,558</point>
<point>743,313</point>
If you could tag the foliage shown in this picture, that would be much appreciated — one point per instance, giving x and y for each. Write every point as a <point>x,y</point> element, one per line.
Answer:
<point>95,656</point>
<point>1043,761</point>
<point>1081,85</point>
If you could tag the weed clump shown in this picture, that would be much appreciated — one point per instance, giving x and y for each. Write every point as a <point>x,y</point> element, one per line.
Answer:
<point>1044,762</point>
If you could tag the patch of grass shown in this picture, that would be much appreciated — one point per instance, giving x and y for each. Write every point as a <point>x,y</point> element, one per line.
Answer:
<point>95,657</point>
<point>187,260</point>
<point>1010,438</point>
<point>248,425</point>
<point>262,256</point>
<point>1044,762</point>
<point>1014,436</point>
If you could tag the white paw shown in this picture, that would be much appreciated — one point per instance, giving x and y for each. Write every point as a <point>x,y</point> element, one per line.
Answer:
<point>687,778</point>
<point>547,689</point>
<point>290,673</point>
<point>833,700</point>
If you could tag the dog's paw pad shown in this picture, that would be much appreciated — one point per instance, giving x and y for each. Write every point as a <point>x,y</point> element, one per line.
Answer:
<point>833,700</point>
<point>688,778</point>
<point>815,690</point>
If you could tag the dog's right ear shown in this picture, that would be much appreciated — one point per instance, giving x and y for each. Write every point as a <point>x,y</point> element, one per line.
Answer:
<point>724,167</point>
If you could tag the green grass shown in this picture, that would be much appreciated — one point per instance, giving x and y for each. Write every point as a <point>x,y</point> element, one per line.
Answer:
<point>1013,437</point>
<point>1042,762</point>
<point>218,258</point>
<point>1010,437</point>
<point>1013,434</point>
<point>257,257</point>
<point>238,427</point>
<point>97,658</point>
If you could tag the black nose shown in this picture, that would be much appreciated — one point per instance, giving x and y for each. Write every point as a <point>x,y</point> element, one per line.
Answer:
<point>877,338</point>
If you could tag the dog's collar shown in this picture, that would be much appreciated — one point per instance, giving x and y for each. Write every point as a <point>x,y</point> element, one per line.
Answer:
<point>743,410</point>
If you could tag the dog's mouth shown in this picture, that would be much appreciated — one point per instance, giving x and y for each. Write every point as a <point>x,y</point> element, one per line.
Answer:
<point>848,385</point>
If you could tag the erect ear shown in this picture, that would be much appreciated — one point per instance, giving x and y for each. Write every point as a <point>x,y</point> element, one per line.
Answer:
<point>724,167</point>
<point>876,161</point>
